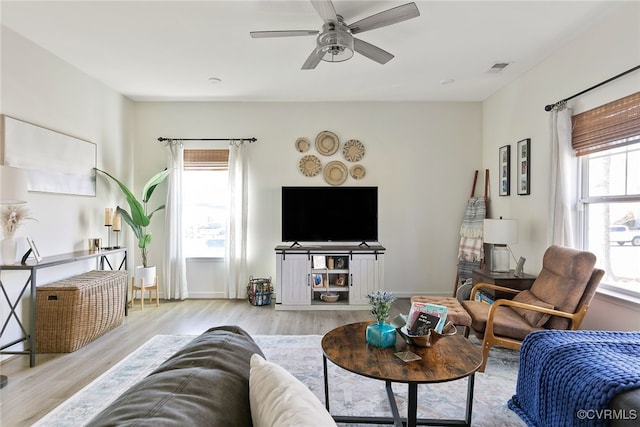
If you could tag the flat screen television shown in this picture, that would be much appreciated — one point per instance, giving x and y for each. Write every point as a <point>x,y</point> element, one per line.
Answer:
<point>329,214</point>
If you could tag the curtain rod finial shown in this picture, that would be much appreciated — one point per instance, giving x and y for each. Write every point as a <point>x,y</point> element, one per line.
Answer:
<point>549,107</point>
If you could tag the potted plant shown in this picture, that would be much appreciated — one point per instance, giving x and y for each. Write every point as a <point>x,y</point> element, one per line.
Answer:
<point>139,218</point>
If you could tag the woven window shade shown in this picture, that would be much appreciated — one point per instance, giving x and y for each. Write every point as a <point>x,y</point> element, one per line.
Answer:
<point>607,126</point>
<point>206,160</point>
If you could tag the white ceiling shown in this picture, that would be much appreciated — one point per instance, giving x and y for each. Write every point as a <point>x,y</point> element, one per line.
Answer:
<point>167,50</point>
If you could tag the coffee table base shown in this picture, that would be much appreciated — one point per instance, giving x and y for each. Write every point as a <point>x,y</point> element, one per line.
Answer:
<point>412,408</point>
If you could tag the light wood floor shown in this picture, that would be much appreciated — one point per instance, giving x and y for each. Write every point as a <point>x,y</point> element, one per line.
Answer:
<point>32,392</point>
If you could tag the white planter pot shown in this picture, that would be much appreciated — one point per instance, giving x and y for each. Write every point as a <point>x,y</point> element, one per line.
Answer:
<point>147,274</point>
<point>9,248</point>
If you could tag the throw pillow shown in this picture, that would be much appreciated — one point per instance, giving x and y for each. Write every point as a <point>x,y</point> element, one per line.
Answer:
<point>535,318</point>
<point>277,398</point>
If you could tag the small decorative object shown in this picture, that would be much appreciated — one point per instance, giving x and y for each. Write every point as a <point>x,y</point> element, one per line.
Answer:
<point>95,244</point>
<point>335,173</point>
<point>381,334</point>
<point>523,164</point>
<point>353,150</point>
<point>340,262</point>
<point>327,143</point>
<point>504,166</point>
<point>108,222</point>
<point>117,228</point>
<point>310,165</point>
<point>12,218</point>
<point>302,145</point>
<point>357,171</point>
<point>34,249</point>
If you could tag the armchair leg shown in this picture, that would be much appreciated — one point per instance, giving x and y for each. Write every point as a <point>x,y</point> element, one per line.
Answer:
<point>486,346</point>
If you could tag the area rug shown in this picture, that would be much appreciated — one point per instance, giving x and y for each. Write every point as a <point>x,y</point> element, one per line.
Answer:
<point>349,394</point>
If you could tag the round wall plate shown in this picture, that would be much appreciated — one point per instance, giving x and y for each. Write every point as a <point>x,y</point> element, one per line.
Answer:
<point>335,172</point>
<point>327,143</point>
<point>310,165</point>
<point>353,150</point>
<point>302,145</point>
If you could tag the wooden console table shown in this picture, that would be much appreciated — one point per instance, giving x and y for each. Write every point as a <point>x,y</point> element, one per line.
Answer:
<point>31,266</point>
<point>508,280</point>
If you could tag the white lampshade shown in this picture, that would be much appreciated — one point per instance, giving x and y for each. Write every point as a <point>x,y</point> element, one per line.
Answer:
<point>13,185</point>
<point>500,231</point>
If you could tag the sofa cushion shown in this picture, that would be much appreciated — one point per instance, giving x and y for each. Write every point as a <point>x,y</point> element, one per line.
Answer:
<point>278,398</point>
<point>535,318</point>
<point>205,383</point>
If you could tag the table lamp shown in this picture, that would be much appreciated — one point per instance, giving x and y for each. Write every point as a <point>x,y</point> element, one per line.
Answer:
<point>499,233</point>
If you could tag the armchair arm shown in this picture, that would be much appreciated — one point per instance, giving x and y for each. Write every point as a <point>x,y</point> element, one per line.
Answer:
<point>576,318</point>
<point>479,286</point>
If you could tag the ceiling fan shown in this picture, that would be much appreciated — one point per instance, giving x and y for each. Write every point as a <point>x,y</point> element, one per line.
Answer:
<point>335,43</point>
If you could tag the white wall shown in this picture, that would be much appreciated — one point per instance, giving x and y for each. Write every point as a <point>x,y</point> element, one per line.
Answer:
<point>39,88</point>
<point>421,156</point>
<point>517,112</point>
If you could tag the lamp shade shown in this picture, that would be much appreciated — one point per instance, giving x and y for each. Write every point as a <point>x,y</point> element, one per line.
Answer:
<point>500,231</point>
<point>13,185</point>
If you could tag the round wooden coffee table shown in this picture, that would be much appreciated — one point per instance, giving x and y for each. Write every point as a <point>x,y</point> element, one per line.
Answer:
<point>449,358</point>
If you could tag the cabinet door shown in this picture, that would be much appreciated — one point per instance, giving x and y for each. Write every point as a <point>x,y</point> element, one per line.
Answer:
<point>366,276</point>
<point>296,280</point>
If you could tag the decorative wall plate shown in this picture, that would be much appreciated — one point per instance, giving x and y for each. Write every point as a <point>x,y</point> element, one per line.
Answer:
<point>327,143</point>
<point>353,150</point>
<point>310,165</point>
<point>335,172</point>
<point>302,145</point>
<point>357,171</point>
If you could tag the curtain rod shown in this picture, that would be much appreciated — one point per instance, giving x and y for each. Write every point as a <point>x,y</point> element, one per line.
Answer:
<point>551,106</point>
<point>161,139</point>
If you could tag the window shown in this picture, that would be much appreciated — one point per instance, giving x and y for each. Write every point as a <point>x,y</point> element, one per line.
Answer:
<point>608,141</point>
<point>205,194</point>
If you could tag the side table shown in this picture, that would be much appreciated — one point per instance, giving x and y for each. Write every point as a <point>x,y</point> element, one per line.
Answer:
<point>449,359</point>
<point>508,280</point>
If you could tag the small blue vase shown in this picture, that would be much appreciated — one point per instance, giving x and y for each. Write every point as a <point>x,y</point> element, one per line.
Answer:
<point>381,335</point>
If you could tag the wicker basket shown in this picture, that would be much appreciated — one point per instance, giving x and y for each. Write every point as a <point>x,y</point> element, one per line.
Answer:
<point>73,312</point>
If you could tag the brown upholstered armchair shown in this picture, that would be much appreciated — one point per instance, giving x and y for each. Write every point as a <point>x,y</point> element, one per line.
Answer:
<point>558,299</point>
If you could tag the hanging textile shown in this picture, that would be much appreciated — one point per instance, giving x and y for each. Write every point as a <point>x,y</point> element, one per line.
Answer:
<point>175,276</point>
<point>564,164</point>
<point>470,252</point>
<point>236,242</point>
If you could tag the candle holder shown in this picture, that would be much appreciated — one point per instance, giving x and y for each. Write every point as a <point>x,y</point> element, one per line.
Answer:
<point>109,226</point>
<point>117,245</point>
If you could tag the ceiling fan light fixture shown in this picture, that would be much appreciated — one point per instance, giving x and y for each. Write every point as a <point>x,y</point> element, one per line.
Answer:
<point>335,46</point>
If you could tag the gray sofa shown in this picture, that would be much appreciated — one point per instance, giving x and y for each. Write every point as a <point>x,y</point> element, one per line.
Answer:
<point>205,383</point>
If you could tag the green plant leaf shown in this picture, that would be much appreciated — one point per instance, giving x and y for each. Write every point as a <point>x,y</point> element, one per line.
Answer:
<point>151,185</point>
<point>137,210</point>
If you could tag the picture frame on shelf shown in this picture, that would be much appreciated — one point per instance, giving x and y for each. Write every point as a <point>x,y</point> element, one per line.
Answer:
<point>504,166</point>
<point>523,165</point>
<point>34,249</point>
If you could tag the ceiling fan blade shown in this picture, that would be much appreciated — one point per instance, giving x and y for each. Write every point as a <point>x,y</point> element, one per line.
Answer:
<point>312,61</point>
<point>372,52</point>
<point>326,10</point>
<point>286,33</point>
<point>388,17</point>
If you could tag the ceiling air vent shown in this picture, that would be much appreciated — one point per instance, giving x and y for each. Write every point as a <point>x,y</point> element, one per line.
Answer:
<point>498,67</point>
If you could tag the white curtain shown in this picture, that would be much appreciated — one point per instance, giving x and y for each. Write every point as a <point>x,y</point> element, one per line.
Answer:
<point>564,181</point>
<point>236,241</point>
<point>175,277</point>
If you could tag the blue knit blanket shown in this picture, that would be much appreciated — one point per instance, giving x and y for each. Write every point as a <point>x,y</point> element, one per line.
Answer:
<point>565,377</point>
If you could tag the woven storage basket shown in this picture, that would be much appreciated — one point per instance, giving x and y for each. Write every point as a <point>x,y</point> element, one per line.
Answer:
<point>73,312</point>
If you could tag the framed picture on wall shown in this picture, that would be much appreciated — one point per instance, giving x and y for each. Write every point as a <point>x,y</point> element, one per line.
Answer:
<point>504,166</point>
<point>523,164</point>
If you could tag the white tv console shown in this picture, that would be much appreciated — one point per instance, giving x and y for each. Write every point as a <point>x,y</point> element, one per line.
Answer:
<point>351,271</point>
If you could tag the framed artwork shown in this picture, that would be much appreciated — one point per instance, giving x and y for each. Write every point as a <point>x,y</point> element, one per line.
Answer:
<point>504,163</point>
<point>34,249</point>
<point>45,155</point>
<point>524,166</point>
